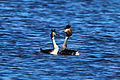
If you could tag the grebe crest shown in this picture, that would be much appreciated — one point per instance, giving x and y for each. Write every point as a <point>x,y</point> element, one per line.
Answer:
<point>53,33</point>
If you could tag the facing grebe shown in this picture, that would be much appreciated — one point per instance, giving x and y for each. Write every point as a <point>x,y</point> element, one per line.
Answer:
<point>55,49</point>
<point>65,50</point>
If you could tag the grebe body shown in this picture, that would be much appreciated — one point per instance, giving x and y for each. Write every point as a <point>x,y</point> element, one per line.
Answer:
<point>69,52</point>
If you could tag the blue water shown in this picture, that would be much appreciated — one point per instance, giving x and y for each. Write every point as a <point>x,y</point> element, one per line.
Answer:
<point>25,27</point>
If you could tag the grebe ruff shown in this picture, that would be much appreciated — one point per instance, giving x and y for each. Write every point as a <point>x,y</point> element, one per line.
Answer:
<point>65,50</point>
<point>55,49</point>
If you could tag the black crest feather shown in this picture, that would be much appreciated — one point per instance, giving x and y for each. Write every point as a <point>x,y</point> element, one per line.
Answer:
<point>67,26</point>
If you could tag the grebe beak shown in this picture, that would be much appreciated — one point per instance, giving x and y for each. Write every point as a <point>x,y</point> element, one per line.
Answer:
<point>62,30</point>
<point>65,30</point>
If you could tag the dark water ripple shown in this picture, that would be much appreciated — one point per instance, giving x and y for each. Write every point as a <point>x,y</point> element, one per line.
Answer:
<point>25,27</point>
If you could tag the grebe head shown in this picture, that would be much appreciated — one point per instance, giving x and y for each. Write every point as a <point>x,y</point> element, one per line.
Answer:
<point>67,30</point>
<point>53,33</point>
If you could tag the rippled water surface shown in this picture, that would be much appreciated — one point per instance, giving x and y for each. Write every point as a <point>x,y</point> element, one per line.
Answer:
<point>25,27</point>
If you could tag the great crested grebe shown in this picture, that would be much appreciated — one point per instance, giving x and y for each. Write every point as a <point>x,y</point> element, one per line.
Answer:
<point>65,50</point>
<point>55,49</point>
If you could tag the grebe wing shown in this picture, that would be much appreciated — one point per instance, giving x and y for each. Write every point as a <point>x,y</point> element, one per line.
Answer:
<point>46,51</point>
<point>69,52</point>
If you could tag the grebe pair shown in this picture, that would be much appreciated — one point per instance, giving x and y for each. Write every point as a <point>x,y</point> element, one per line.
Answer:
<point>64,50</point>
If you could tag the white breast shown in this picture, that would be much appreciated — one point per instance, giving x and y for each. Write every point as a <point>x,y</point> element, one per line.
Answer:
<point>55,51</point>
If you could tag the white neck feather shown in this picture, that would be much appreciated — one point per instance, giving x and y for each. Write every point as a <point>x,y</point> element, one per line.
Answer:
<point>54,43</point>
<point>55,46</point>
<point>64,46</point>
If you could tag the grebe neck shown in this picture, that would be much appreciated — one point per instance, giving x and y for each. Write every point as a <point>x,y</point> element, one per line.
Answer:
<point>54,43</point>
<point>56,48</point>
<point>64,46</point>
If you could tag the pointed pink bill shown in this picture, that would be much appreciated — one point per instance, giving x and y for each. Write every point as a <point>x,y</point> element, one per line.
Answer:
<point>65,30</point>
<point>62,30</point>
